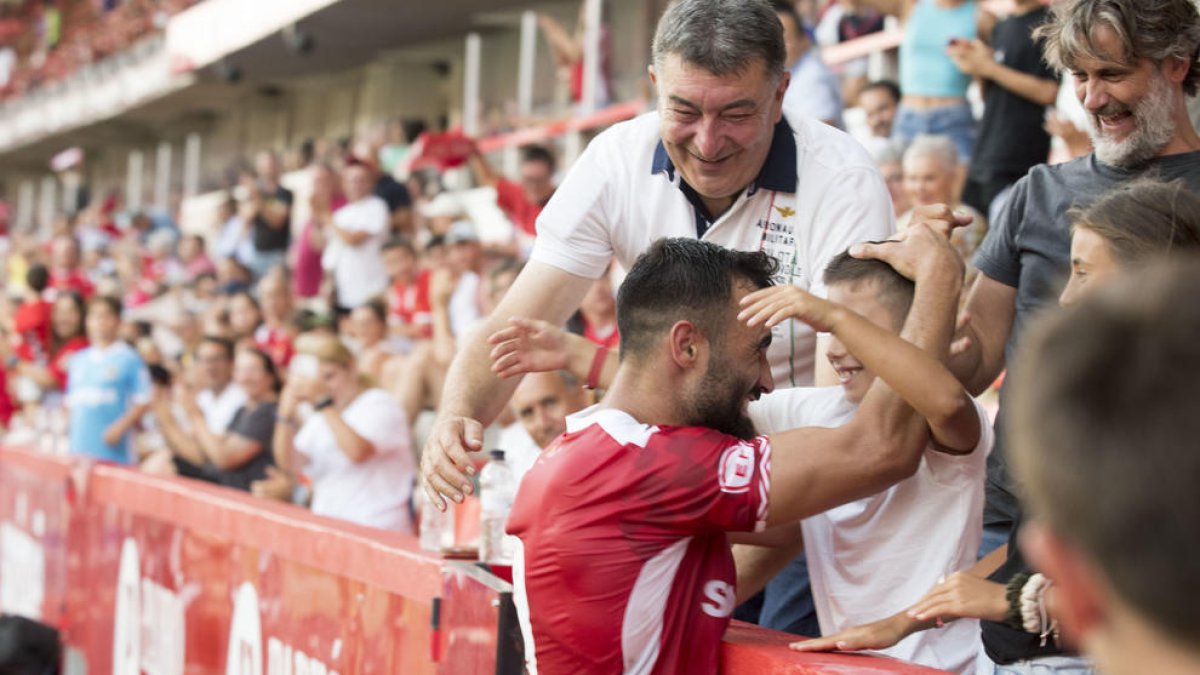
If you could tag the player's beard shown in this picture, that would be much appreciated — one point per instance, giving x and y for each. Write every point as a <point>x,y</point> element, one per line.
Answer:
<point>719,402</point>
<point>1153,127</point>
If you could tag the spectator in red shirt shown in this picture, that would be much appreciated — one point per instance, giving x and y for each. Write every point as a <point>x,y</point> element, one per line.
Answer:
<point>65,271</point>
<point>521,201</point>
<point>31,321</point>
<point>48,369</point>
<point>410,315</point>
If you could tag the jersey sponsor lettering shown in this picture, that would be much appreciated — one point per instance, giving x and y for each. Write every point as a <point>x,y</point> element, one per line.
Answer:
<point>719,599</point>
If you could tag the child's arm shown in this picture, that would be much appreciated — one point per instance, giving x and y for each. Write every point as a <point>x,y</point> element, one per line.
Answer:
<point>916,375</point>
<point>814,469</point>
<point>532,346</point>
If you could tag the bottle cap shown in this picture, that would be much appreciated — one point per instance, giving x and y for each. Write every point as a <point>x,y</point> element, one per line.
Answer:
<point>497,454</point>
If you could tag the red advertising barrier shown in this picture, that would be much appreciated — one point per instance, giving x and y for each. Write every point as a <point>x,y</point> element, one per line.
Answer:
<point>162,576</point>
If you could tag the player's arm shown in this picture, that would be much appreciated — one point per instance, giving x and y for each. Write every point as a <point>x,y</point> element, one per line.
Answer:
<point>472,394</point>
<point>814,469</point>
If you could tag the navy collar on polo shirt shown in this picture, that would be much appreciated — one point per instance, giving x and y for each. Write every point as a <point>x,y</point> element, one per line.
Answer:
<point>778,172</point>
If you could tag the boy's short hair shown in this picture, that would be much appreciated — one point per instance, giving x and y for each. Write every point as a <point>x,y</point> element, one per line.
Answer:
<point>895,291</point>
<point>37,277</point>
<point>1105,433</point>
<point>113,304</point>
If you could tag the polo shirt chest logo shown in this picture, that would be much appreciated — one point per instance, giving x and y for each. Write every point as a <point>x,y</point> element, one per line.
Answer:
<point>777,238</point>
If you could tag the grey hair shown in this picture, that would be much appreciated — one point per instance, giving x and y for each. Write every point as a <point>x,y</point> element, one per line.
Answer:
<point>940,148</point>
<point>888,152</point>
<point>723,37</point>
<point>1153,29</point>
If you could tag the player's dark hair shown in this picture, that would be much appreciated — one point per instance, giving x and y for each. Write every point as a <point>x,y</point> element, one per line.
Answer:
<point>684,280</point>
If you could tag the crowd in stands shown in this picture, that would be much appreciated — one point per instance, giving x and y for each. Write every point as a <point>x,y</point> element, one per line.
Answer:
<point>346,307</point>
<point>44,41</point>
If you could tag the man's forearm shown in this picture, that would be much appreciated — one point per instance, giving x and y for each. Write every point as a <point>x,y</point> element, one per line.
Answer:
<point>179,442</point>
<point>471,389</point>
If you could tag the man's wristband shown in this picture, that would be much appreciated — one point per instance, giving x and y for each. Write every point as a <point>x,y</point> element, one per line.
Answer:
<point>598,360</point>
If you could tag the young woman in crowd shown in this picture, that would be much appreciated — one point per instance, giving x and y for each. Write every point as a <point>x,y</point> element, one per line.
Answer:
<point>67,336</point>
<point>354,444</point>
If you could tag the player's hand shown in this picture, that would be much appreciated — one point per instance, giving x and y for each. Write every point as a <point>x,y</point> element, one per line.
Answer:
<point>445,466</point>
<point>918,253</point>
<point>962,595</point>
<point>878,635</point>
<point>771,306</point>
<point>527,346</point>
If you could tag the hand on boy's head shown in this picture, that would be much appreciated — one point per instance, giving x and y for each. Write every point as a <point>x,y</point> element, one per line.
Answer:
<point>917,252</point>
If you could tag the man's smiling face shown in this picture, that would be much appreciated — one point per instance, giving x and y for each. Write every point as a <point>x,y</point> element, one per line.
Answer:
<point>717,130</point>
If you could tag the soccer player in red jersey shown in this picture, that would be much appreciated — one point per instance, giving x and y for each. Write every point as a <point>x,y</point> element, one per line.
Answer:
<point>625,563</point>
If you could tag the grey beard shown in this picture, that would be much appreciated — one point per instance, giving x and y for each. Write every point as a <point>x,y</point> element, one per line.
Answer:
<point>1153,129</point>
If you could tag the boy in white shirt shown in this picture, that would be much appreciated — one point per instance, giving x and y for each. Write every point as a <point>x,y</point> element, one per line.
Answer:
<point>875,557</point>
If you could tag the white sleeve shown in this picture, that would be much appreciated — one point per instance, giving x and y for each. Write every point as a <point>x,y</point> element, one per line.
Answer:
<point>378,418</point>
<point>376,218</point>
<point>574,231</point>
<point>950,469</point>
<point>855,208</point>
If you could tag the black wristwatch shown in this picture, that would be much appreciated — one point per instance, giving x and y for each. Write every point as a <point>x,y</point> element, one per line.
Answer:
<point>323,403</point>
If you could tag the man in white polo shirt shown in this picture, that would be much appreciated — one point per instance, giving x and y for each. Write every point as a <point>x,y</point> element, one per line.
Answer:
<point>716,161</point>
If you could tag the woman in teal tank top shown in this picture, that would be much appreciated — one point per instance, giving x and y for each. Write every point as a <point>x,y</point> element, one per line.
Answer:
<point>934,89</point>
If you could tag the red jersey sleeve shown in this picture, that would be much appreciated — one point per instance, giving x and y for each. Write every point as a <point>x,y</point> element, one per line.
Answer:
<point>741,483</point>
<point>709,480</point>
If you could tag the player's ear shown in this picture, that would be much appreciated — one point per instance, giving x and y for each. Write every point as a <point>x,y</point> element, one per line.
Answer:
<point>685,342</point>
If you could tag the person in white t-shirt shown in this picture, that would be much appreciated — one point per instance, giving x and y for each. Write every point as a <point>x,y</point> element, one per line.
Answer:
<point>875,557</point>
<point>717,162</point>
<point>355,446</point>
<point>355,251</point>
<point>220,398</point>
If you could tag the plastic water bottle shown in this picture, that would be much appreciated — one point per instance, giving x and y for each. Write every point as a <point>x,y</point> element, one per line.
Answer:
<point>497,488</point>
<point>437,527</point>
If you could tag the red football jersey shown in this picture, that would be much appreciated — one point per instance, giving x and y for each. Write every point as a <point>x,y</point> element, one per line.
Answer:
<point>409,303</point>
<point>624,565</point>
